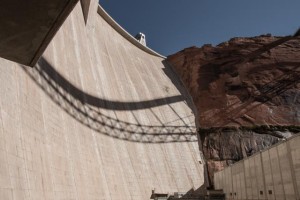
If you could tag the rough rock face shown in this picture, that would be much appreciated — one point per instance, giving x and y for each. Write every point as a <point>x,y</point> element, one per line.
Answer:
<point>246,92</point>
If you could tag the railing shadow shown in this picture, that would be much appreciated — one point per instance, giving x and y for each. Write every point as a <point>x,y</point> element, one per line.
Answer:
<point>86,109</point>
<point>265,94</point>
<point>210,72</point>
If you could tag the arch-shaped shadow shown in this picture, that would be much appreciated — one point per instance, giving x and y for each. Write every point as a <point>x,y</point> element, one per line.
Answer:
<point>86,109</point>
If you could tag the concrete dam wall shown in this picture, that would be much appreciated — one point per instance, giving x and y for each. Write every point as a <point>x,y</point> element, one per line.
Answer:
<point>98,117</point>
<point>271,174</point>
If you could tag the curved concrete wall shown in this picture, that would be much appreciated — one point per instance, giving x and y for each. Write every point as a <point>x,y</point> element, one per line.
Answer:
<point>271,174</point>
<point>96,118</point>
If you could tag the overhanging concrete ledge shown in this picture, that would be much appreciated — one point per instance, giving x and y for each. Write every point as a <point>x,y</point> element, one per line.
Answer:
<point>27,27</point>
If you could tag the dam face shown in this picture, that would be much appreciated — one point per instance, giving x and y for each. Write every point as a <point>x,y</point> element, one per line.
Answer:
<point>98,117</point>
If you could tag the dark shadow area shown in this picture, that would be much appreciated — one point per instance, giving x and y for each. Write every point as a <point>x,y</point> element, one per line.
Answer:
<point>192,194</point>
<point>27,27</point>
<point>86,109</point>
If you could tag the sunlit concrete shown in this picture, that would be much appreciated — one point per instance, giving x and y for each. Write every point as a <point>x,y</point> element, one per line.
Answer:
<point>100,116</point>
<point>271,174</point>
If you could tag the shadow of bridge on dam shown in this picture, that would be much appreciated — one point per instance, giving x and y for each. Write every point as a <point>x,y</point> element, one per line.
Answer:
<point>89,110</point>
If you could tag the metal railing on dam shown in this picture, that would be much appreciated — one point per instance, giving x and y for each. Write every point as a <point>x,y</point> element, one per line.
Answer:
<point>270,174</point>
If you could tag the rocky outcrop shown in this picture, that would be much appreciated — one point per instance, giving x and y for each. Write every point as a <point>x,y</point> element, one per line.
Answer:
<point>224,146</point>
<point>246,92</point>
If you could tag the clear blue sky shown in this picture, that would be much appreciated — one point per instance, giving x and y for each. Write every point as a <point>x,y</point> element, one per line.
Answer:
<point>171,25</point>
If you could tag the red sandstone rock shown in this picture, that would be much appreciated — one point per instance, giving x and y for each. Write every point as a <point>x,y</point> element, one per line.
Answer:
<point>229,91</point>
<point>245,82</point>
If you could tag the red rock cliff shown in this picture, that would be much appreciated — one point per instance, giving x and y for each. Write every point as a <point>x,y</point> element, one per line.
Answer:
<point>246,92</point>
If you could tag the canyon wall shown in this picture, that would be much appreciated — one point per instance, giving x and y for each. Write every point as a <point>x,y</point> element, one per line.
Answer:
<point>246,92</point>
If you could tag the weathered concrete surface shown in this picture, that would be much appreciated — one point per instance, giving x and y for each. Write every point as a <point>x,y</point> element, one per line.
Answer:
<point>96,118</point>
<point>270,174</point>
